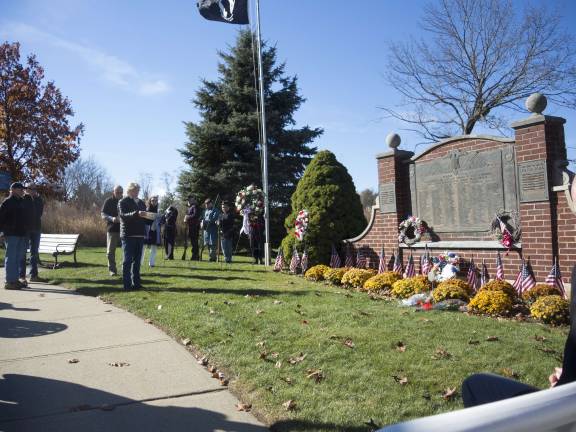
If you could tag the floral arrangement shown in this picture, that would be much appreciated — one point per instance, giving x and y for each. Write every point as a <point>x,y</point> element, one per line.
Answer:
<point>445,266</point>
<point>355,278</point>
<point>501,286</point>
<point>382,281</point>
<point>301,224</point>
<point>407,287</point>
<point>552,309</point>
<point>334,275</point>
<point>540,290</point>
<point>446,291</point>
<point>250,198</point>
<point>317,272</point>
<point>491,303</point>
<point>506,228</point>
<point>411,230</point>
<point>458,283</point>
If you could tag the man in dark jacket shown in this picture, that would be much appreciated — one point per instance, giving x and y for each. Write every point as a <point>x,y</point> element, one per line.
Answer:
<point>110,214</point>
<point>13,228</point>
<point>169,221</point>
<point>34,211</point>
<point>131,211</point>
<point>192,220</point>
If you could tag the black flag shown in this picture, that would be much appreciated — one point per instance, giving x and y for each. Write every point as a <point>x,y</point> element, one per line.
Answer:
<point>229,11</point>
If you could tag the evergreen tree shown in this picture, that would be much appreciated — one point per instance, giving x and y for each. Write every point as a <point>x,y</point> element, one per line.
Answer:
<point>223,150</point>
<point>327,191</point>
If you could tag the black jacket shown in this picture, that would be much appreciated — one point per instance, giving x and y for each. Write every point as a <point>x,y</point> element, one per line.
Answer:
<point>131,225</point>
<point>227,225</point>
<point>13,219</point>
<point>38,212</point>
<point>29,212</point>
<point>109,211</point>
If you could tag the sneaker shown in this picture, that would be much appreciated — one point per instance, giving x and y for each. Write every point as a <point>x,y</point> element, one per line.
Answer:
<point>37,279</point>
<point>12,286</point>
<point>23,283</point>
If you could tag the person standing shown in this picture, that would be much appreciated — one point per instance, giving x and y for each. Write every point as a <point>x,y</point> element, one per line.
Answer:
<point>110,214</point>
<point>132,229</point>
<point>13,228</point>
<point>34,208</point>
<point>153,237</point>
<point>226,222</point>
<point>169,220</point>
<point>192,220</point>
<point>257,238</point>
<point>209,219</point>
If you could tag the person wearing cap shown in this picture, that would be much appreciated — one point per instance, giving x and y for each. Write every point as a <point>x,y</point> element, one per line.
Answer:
<point>34,208</point>
<point>132,211</point>
<point>209,219</point>
<point>109,213</point>
<point>13,228</point>
<point>192,220</point>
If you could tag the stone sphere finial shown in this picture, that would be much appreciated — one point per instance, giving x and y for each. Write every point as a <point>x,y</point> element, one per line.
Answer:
<point>393,140</point>
<point>536,103</point>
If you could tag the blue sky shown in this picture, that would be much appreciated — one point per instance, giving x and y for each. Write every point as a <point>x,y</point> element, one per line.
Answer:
<point>131,68</point>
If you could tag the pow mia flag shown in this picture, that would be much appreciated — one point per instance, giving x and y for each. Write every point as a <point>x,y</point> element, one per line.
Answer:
<point>228,11</point>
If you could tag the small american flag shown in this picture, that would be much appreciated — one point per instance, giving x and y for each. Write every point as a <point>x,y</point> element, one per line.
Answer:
<point>279,263</point>
<point>294,262</point>
<point>349,257</point>
<point>499,267</point>
<point>410,270</point>
<point>528,281</point>
<point>304,262</point>
<point>484,274</point>
<point>360,258</point>
<point>426,262</point>
<point>518,282</point>
<point>554,278</point>
<point>398,267</point>
<point>335,261</point>
<point>381,262</point>
<point>472,277</point>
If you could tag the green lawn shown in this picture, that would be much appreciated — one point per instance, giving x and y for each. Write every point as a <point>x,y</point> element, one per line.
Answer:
<point>249,322</point>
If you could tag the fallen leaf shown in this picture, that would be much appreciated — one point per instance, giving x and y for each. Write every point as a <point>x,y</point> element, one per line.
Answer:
<point>203,361</point>
<point>540,338</point>
<point>148,321</point>
<point>212,369</point>
<point>277,302</point>
<point>315,374</point>
<point>400,346</point>
<point>509,373</point>
<point>212,311</point>
<point>304,322</point>
<point>119,364</point>
<point>42,295</point>
<point>425,320</point>
<point>259,311</point>
<point>74,360</point>
<point>402,380</point>
<point>227,302</point>
<point>263,355</point>
<point>261,344</point>
<point>297,359</point>
<point>473,342</point>
<point>492,339</point>
<point>278,364</point>
<point>159,307</point>
<point>223,382</point>
<point>290,405</point>
<point>109,310</point>
<point>186,342</point>
<point>318,294</point>
<point>298,305</point>
<point>441,353</point>
<point>449,393</point>
<point>287,380</point>
<point>243,407</point>
<point>215,375</point>
<point>348,342</point>
<point>274,355</point>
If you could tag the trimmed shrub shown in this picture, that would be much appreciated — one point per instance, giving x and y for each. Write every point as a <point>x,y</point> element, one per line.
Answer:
<point>355,277</point>
<point>382,281</point>
<point>551,309</point>
<point>459,283</point>
<point>327,191</point>
<point>446,291</point>
<point>540,290</point>
<point>316,273</point>
<point>405,288</point>
<point>334,275</point>
<point>500,285</point>
<point>490,302</point>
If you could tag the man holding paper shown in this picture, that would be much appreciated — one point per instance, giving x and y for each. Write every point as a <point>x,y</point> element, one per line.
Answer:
<point>132,213</point>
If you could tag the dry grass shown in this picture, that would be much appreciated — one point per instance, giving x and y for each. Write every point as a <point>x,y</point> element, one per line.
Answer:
<point>65,218</point>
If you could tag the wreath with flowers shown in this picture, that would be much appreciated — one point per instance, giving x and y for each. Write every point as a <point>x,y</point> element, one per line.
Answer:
<point>505,228</point>
<point>250,198</point>
<point>301,224</point>
<point>411,230</point>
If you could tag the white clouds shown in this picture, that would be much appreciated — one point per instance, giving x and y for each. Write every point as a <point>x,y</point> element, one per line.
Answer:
<point>111,69</point>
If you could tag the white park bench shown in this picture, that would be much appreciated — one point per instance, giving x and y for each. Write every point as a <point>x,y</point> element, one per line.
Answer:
<point>58,244</point>
<point>550,410</point>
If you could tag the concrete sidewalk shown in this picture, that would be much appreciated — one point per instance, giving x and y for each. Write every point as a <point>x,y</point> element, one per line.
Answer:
<point>156,384</point>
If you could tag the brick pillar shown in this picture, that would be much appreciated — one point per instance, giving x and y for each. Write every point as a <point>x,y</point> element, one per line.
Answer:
<point>394,193</point>
<point>539,146</point>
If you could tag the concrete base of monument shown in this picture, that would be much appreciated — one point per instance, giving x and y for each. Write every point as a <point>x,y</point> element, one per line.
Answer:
<point>462,244</point>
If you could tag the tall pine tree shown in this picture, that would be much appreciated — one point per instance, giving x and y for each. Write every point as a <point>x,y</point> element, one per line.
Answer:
<point>223,149</point>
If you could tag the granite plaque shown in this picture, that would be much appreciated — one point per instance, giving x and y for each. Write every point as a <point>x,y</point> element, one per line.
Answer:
<point>462,191</point>
<point>387,194</point>
<point>533,181</point>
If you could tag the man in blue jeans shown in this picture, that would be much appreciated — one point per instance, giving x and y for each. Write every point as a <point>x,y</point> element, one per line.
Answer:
<point>34,210</point>
<point>131,211</point>
<point>13,226</point>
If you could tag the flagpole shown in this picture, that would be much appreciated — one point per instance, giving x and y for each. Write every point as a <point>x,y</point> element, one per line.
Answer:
<point>264,142</point>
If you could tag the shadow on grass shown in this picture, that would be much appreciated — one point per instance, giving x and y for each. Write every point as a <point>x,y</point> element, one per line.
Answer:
<point>199,277</point>
<point>301,425</point>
